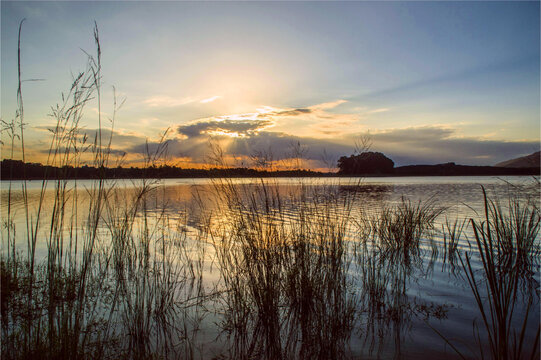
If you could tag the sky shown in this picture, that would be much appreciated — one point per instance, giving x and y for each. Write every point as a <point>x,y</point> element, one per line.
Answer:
<point>426,82</point>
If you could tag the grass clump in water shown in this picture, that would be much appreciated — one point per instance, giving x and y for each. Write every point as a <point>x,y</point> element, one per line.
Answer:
<point>499,238</point>
<point>504,244</point>
<point>400,228</point>
<point>284,262</point>
<point>452,232</point>
<point>516,232</point>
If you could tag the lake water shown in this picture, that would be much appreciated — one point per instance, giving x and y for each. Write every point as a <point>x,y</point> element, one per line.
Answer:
<point>427,303</point>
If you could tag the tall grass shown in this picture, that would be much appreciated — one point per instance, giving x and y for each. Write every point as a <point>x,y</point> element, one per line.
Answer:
<point>391,255</point>
<point>400,228</point>
<point>452,233</point>
<point>48,322</point>
<point>498,238</point>
<point>516,233</point>
<point>284,261</point>
<point>116,278</point>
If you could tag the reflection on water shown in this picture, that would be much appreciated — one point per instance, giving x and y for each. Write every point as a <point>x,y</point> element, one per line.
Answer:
<point>294,268</point>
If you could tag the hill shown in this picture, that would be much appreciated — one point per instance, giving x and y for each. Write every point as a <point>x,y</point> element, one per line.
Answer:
<point>531,160</point>
<point>452,169</point>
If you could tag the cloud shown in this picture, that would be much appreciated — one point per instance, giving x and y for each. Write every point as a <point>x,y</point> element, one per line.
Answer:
<point>406,146</point>
<point>167,101</point>
<point>426,85</point>
<point>439,144</point>
<point>270,129</point>
<point>376,111</point>
<point>280,145</point>
<point>120,140</point>
<point>416,135</point>
<point>291,112</point>
<point>210,99</point>
<point>313,120</point>
<point>223,127</point>
<point>328,105</point>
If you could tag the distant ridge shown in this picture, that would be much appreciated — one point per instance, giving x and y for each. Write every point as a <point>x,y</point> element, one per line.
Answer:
<point>18,170</point>
<point>452,169</point>
<point>529,161</point>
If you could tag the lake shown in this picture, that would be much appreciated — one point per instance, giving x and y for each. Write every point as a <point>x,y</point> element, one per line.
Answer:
<point>280,267</point>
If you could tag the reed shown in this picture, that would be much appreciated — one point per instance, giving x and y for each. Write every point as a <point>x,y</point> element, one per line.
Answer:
<point>55,291</point>
<point>516,229</point>
<point>287,292</point>
<point>504,309</point>
<point>115,280</point>
<point>390,256</point>
<point>501,279</point>
<point>400,228</point>
<point>452,233</point>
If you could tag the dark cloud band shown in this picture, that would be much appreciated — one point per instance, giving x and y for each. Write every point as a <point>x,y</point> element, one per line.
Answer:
<point>240,127</point>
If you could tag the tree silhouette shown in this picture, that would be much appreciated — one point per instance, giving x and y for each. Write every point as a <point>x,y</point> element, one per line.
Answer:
<point>365,163</point>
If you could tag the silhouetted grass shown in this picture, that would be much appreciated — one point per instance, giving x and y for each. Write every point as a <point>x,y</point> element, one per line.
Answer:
<point>452,232</point>
<point>401,227</point>
<point>284,262</point>
<point>384,278</point>
<point>506,244</point>
<point>115,280</point>
<point>514,237</point>
<point>516,232</point>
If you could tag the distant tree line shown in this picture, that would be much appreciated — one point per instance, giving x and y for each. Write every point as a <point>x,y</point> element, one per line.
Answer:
<point>365,164</point>
<point>17,170</point>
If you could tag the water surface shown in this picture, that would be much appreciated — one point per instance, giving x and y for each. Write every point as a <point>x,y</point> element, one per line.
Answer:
<point>426,296</point>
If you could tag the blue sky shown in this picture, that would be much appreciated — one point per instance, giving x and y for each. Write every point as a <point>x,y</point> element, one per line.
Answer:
<point>430,82</point>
